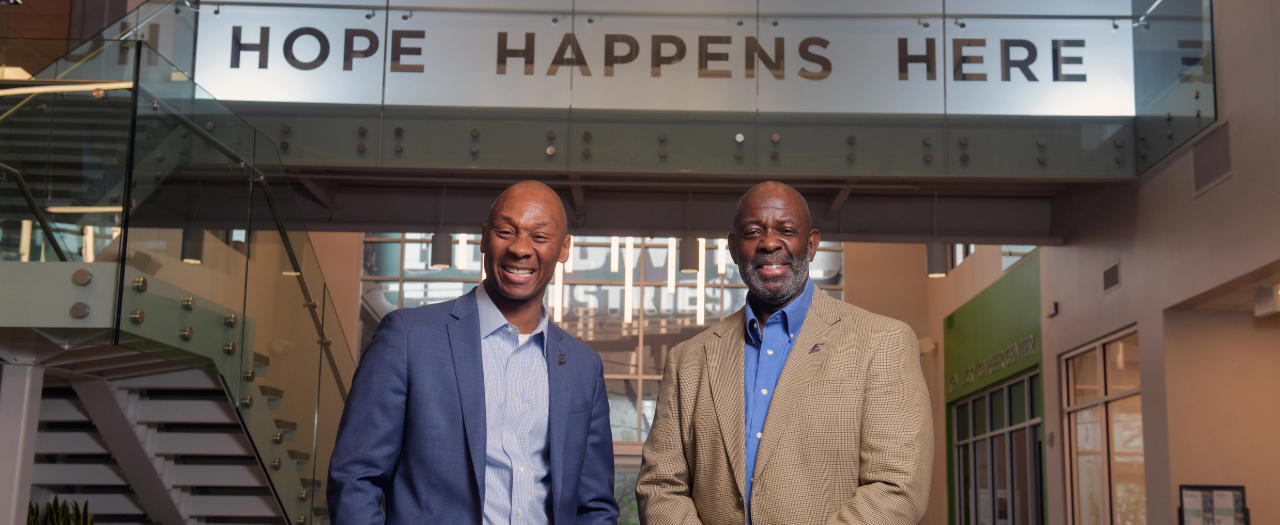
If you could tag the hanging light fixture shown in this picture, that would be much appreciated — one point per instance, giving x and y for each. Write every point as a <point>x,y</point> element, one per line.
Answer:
<point>935,251</point>
<point>558,294</point>
<point>689,255</point>
<point>192,245</point>
<point>613,254</point>
<point>441,243</point>
<point>626,290</point>
<point>722,255</point>
<point>462,251</point>
<point>671,265</point>
<point>441,251</point>
<point>702,279</point>
<point>936,256</point>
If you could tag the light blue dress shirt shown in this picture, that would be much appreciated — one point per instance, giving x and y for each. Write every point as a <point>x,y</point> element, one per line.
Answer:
<point>765,356</point>
<point>517,480</point>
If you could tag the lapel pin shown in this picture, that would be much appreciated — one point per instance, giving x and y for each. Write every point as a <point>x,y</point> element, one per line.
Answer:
<point>562,359</point>
<point>815,348</point>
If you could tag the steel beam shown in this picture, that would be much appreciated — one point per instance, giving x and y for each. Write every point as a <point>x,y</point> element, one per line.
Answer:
<point>135,463</point>
<point>19,418</point>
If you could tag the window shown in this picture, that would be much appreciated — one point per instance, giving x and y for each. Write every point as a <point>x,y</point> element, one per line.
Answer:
<point>1010,254</point>
<point>1103,409</point>
<point>960,251</point>
<point>999,455</point>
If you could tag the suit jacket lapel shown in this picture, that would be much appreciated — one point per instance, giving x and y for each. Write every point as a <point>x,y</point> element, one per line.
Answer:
<point>806,355</point>
<point>468,366</point>
<point>558,396</point>
<point>724,362</point>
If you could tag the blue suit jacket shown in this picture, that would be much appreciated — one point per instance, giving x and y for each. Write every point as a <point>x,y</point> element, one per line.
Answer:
<point>412,436</point>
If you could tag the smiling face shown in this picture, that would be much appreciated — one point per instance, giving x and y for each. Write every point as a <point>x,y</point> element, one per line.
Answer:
<point>772,242</point>
<point>524,239</point>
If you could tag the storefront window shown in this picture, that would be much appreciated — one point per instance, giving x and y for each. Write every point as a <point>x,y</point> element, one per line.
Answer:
<point>998,456</point>
<point>1104,414</point>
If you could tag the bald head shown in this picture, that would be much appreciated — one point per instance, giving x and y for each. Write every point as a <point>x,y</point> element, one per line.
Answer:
<point>531,194</point>
<point>772,194</point>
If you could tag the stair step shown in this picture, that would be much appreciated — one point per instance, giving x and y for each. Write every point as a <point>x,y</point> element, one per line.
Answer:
<point>70,443</point>
<point>299,455</point>
<point>206,411</point>
<point>62,411</point>
<point>283,424</point>
<point>96,474</point>
<point>230,506</point>
<point>271,392</point>
<point>106,503</point>
<point>202,444</point>
<point>312,484</point>
<point>261,359</point>
<point>190,379</point>
<point>217,476</point>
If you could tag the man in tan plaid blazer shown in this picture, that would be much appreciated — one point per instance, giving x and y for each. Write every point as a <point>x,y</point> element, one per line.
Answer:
<point>848,436</point>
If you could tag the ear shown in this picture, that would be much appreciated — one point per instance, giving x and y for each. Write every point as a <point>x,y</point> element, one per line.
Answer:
<point>814,239</point>
<point>484,239</point>
<point>565,252</point>
<point>733,248</point>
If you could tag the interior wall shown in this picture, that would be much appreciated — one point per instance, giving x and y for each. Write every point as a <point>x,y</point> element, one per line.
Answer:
<point>340,255</point>
<point>1224,413</point>
<point>888,279</point>
<point>1171,245</point>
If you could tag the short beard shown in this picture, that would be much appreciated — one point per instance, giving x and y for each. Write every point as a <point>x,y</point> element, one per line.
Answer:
<point>793,282</point>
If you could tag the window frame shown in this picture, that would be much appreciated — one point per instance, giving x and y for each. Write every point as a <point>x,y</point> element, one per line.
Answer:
<point>1103,402</point>
<point>1033,425</point>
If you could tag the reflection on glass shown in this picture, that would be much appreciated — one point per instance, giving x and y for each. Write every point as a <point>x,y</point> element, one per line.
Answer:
<point>966,489</point>
<point>997,409</point>
<point>1128,479</point>
<point>1122,365</point>
<point>1017,403</point>
<point>1022,496</point>
<point>466,261</point>
<point>648,404</point>
<point>382,235</point>
<point>1037,400</point>
<point>381,259</point>
<point>980,416</point>
<point>734,300</point>
<point>1086,462</point>
<point>962,422</point>
<point>1082,378</point>
<point>982,463</point>
<point>417,293</point>
<point>1000,460</point>
<point>377,299</point>
<point>624,420</point>
<point>624,491</point>
<point>827,268</point>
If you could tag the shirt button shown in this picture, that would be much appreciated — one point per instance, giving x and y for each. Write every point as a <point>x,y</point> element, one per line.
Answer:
<point>521,469</point>
<point>759,435</point>
<point>513,360</point>
<point>764,391</point>
<point>508,437</point>
<point>770,352</point>
<point>513,396</point>
<point>519,512</point>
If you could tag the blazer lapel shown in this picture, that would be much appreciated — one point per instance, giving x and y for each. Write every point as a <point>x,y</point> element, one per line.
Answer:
<point>464,342</point>
<point>724,362</point>
<point>558,397</point>
<point>806,355</point>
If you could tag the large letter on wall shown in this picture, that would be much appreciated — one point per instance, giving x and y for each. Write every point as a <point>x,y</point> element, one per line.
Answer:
<point>504,53</point>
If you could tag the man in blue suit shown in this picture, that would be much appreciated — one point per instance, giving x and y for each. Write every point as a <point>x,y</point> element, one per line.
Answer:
<point>479,410</point>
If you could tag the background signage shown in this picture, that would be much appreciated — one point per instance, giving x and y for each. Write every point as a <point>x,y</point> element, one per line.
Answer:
<point>810,56</point>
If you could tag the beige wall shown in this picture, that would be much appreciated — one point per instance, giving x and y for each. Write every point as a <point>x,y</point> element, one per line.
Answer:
<point>340,258</point>
<point>1172,245</point>
<point>1224,404</point>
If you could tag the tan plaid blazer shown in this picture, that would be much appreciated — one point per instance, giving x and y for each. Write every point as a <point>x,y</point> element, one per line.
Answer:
<point>848,438</point>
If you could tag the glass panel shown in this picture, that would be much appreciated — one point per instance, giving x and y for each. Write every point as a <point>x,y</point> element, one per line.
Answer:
<point>594,316</point>
<point>1017,403</point>
<point>980,416</point>
<point>624,492</point>
<point>590,263</point>
<point>337,367</point>
<point>418,293</point>
<point>1082,378</point>
<point>962,421</point>
<point>997,409</point>
<point>624,420</point>
<point>982,467</point>
<point>465,260</point>
<point>1122,365</point>
<point>1088,476</point>
<point>734,300</point>
<point>1037,397</point>
<point>382,235</point>
<point>648,404</point>
<point>1128,478</point>
<point>827,268</point>
<point>377,299</point>
<point>1000,471</point>
<point>1022,469</point>
<point>381,259</point>
<point>963,506</point>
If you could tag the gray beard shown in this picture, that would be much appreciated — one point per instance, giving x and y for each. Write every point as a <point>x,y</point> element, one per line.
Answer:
<point>792,285</point>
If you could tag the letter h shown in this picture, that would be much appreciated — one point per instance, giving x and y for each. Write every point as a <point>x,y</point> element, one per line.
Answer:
<point>262,47</point>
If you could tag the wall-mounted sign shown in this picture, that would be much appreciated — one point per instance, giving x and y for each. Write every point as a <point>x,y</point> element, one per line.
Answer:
<point>996,334</point>
<point>1212,505</point>
<point>871,61</point>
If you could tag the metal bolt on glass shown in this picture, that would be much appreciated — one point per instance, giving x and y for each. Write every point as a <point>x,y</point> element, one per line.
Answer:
<point>247,402</point>
<point>551,150</point>
<point>229,348</point>
<point>189,304</point>
<point>276,464</point>
<point>81,277</point>
<point>79,311</point>
<point>187,334</point>
<point>928,141</point>
<point>278,438</point>
<point>137,317</point>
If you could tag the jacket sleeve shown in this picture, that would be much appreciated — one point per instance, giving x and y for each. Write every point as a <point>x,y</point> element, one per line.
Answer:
<point>896,439</point>
<point>371,430</point>
<point>663,490</point>
<point>596,503</point>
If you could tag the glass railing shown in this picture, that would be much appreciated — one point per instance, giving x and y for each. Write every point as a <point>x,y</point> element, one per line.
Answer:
<point>1098,90</point>
<point>183,216</point>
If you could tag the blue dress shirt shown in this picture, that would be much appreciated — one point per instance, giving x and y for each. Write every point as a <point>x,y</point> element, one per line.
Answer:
<point>766,354</point>
<point>517,481</point>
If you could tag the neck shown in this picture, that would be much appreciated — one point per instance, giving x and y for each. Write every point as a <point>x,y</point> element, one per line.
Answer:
<point>525,314</point>
<point>764,310</point>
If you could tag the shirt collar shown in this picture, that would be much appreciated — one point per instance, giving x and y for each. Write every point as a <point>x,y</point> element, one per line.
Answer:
<point>491,318</point>
<point>792,315</point>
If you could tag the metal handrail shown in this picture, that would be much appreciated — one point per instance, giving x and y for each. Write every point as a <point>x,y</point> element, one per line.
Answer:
<point>35,209</point>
